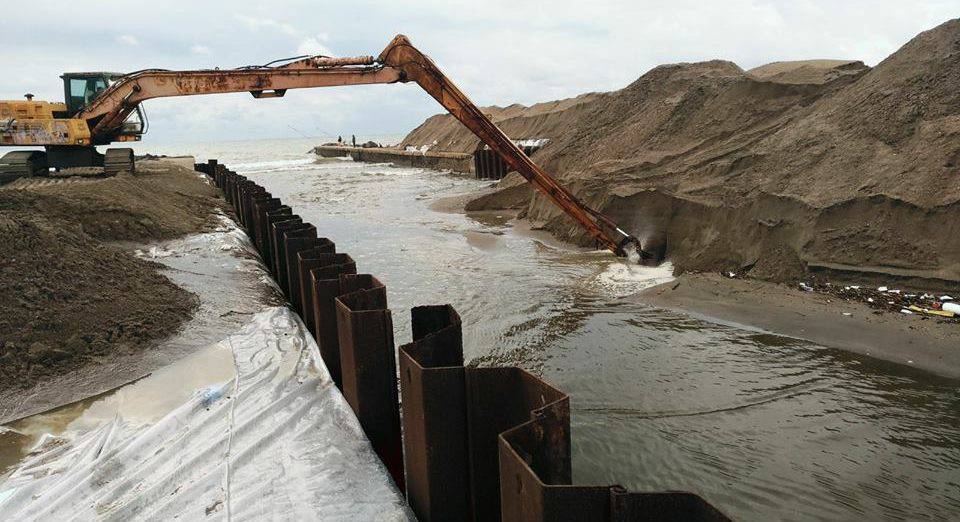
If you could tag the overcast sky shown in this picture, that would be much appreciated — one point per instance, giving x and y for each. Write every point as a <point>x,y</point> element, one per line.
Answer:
<point>499,52</point>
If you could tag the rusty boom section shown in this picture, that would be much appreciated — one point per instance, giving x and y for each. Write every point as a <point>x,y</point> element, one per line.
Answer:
<point>399,62</point>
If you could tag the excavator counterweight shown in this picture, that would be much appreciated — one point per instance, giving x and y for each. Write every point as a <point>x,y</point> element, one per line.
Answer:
<point>104,108</point>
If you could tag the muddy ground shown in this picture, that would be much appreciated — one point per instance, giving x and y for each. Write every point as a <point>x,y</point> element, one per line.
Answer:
<point>72,296</point>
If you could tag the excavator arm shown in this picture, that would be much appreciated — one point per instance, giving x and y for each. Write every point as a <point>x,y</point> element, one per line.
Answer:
<point>399,62</point>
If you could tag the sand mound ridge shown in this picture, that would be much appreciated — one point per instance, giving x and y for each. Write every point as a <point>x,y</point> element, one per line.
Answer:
<point>846,166</point>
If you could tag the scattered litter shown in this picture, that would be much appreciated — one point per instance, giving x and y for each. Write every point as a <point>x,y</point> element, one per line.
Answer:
<point>885,299</point>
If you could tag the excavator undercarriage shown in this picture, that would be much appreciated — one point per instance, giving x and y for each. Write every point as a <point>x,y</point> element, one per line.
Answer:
<point>104,108</point>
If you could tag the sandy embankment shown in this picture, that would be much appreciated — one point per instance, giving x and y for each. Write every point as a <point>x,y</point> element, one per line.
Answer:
<point>789,171</point>
<point>73,298</point>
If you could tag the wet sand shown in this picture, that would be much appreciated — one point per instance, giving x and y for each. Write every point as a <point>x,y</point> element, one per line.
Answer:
<point>910,340</point>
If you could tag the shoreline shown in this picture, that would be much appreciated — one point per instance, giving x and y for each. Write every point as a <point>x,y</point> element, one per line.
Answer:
<point>780,309</point>
<point>819,318</point>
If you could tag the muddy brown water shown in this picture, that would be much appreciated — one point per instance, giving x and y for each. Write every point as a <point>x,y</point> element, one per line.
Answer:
<point>765,427</point>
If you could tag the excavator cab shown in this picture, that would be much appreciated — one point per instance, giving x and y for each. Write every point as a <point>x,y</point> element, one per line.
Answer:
<point>80,89</point>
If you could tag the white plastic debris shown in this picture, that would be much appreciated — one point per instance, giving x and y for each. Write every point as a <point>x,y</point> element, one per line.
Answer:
<point>882,289</point>
<point>848,314</point>
<point>905,311</point>
<point>951,307</point>
<point>946,298</point>
<point>869,299</point>
<point>805,287</point>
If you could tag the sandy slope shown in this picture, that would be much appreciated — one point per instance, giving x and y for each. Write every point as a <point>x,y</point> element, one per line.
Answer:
<point>815,163</point>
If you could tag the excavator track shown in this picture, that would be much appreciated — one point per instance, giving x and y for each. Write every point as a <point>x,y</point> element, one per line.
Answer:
<point>116,161</point>
<point>22,164</point>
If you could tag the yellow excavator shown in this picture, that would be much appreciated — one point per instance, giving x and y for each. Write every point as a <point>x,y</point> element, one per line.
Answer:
<point>103,108</point>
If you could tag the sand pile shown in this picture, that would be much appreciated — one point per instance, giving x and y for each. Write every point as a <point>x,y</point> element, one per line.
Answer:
<point>68,296</point>
<point>825,162</point>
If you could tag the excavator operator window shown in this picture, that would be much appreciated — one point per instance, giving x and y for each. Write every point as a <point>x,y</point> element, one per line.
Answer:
<point>83,90</point>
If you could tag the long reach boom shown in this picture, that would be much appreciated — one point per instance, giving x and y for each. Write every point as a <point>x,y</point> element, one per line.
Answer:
<point>106,114</point>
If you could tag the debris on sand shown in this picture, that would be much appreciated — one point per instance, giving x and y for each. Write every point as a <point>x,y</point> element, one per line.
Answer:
<point>884,299</point>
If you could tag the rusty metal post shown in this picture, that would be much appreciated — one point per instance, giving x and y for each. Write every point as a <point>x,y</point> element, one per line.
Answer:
<point>243,192</point>
<point>293,242</point>
<point>280,256</point>
<point>535,481</point>
<point>325,282</point>
<point>231,183</point>
<point>307,259</point>
<point>542,446</point>
<point>250,193</point>
<point>368,366</point>
<point>276,215</point>
<point>212,171</point>
<point>228,185</point>
<point>238,183</point>
<point>261,204</point>
<point>476,164</point>
<point>276,234</point>
<point>434,416</point>
<point>499,399</point>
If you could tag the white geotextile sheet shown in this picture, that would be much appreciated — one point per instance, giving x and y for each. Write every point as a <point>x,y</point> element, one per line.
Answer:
<point>277,442</point>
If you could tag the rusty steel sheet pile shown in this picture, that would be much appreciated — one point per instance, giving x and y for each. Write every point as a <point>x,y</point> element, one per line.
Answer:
<point>471,443</point>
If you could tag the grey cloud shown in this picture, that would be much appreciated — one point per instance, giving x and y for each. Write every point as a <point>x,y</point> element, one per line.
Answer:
<point>499,51</point>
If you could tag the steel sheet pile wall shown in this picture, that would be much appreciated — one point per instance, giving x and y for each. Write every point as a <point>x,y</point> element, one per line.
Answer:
<point>487,164</point>
<point>478,443</point>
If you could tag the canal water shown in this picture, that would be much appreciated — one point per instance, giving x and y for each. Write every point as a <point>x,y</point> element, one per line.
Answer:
<point>763,426</point>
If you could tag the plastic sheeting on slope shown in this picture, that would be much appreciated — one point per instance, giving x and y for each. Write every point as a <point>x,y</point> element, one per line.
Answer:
<point>278,441</point>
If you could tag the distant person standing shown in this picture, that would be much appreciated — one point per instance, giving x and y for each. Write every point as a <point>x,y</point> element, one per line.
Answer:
<point>339,140</point>
<point>353,137</point>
